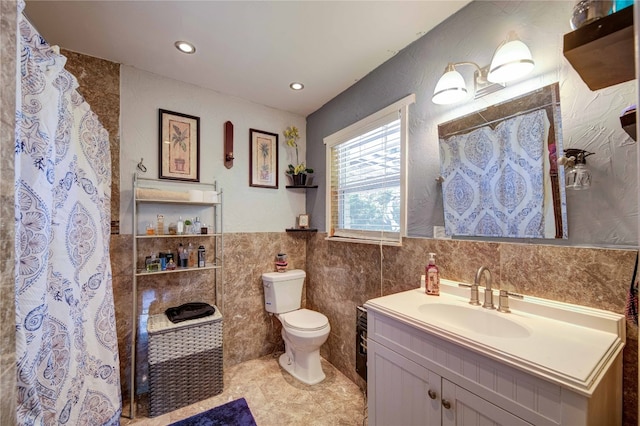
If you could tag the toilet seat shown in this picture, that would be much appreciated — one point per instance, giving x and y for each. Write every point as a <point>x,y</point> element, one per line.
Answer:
<point>305,320</point>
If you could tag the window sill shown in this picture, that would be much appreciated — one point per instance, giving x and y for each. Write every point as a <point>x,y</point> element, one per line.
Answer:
<point>365,241</point>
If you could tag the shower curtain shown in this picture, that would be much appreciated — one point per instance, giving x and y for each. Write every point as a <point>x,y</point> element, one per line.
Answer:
<point>66,345</point>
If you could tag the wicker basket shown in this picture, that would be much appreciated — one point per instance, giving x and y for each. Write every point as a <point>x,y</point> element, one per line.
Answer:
<point>185,361</point>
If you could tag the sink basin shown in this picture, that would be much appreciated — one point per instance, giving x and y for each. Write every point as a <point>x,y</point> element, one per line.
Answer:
<point>473,319</point>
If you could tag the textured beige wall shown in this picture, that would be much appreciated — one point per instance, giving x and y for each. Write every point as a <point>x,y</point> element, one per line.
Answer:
<point>8,26</point>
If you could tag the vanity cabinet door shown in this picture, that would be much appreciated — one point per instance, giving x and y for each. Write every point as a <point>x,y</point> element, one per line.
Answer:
<point>401,392</point>
<point>461,407</point>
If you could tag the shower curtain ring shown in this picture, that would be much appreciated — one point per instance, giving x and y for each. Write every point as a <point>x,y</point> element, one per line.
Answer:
<point>141,166</point>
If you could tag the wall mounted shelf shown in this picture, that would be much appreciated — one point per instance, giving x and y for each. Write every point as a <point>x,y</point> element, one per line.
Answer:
<point>602,52</point>
<point>301,186</point>
<point>301,230</point>
<point>628,123</point>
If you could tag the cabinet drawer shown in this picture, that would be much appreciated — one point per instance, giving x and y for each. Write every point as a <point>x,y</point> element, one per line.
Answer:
<point>528,397</point>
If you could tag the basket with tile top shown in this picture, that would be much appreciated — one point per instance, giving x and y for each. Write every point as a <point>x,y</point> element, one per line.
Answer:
<point>185,361</point>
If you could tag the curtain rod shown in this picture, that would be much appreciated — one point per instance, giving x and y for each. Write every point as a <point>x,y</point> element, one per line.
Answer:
<point>486,123</point>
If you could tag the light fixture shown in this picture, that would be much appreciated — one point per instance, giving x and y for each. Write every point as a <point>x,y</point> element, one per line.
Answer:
<point>512,60</point>
<point>296,86</point>
<point>577,175</point>
<point>185,47</point>
<point>451,87</point>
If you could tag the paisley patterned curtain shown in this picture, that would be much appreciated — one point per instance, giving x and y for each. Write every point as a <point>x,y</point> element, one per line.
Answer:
<point>496,181</point>
<point>66,345</point>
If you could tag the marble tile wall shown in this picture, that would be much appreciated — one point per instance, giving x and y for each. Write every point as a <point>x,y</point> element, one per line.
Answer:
<point>99,82</point>
<point>8,27</point>
<point>342,276</point>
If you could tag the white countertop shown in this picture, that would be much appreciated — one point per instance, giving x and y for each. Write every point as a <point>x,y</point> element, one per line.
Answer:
<point>568,344</point>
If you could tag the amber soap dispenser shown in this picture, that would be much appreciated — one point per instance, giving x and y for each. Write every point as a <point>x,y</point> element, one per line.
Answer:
<point>432,273</point>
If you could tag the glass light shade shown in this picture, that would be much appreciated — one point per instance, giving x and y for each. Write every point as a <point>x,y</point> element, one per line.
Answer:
<point>578,178</point>
<point>511,61</point>
<point>450,89</point>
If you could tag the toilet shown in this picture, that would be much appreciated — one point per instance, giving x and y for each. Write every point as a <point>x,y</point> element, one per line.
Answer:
<point>303,330</point>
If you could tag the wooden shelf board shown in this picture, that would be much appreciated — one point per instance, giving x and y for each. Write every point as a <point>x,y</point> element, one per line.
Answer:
<point>628,123</point>
<point>301,186</point>
<point>602,52</point>
<point>301,230</point>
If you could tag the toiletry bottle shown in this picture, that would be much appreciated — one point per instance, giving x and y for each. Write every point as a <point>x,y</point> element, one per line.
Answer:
<point>433,276</point>
<point>160,225</point>
<point>201,257</point>
<point>180,226</point>
<point>192,256</point>
<point>197,225</point>
<point>171,265</point>
<point>182,256</point>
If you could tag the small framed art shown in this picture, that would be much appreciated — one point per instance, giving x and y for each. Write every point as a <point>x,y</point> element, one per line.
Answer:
<point>303,221</point>
<point>179,146</point>
<point>263,159</point>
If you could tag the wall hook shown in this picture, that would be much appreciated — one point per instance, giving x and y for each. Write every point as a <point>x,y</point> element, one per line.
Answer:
<point>141,166</point>
<point>439,179</point>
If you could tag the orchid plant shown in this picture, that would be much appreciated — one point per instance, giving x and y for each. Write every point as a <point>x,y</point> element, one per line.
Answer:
<point>291,135</point>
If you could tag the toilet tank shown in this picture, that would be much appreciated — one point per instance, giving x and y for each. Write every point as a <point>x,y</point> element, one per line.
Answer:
<point>283,290</point>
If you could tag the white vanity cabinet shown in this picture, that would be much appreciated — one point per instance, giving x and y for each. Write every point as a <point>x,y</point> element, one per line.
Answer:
<point>421,374</point>
<point>402,392</point>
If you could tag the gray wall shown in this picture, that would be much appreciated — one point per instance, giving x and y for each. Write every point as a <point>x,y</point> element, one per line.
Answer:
<point>606,215</point>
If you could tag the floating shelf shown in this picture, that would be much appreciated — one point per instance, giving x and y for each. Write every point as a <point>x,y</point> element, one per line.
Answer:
<point>301,230</point>
<point>301,186</point>
<point>602,52</point>
<point>628,123</point>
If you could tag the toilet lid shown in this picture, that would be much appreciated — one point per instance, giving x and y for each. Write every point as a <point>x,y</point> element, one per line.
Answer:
<point>305,319</point>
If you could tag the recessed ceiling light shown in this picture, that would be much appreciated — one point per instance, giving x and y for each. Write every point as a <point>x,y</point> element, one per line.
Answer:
<point>296,86</point>
<point>185,47</point>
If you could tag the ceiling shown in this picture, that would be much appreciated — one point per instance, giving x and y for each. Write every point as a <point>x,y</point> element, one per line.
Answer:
<point>249,49</point>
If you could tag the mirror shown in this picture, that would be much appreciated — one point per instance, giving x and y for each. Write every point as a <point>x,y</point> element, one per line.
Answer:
<point>500,176</point>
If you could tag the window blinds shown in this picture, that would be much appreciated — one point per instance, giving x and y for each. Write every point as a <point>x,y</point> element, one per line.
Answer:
<point>366,178</point>
<point>366,183</point>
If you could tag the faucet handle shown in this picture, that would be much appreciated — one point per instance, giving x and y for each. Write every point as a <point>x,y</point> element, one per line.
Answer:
<point>503,300</point>
<point>475,294</point>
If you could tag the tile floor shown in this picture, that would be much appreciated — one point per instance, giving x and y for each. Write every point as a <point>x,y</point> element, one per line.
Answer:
<point>276,398</point>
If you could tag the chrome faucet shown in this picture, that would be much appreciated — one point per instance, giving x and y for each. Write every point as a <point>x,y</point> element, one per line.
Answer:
<point>488,291</point>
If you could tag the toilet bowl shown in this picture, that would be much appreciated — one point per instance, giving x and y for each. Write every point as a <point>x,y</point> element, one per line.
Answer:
<point>303,330</point>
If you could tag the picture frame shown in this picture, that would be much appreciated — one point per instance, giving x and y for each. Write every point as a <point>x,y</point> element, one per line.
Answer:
<point>303,221</point>
<point>179,138</point>
<point>263,159</point>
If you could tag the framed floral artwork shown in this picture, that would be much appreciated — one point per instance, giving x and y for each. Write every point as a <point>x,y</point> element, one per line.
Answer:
<point>263,159</point>
<point>179,146</point>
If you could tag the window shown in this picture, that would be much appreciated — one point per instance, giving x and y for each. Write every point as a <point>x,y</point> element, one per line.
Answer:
<point>366,178</point>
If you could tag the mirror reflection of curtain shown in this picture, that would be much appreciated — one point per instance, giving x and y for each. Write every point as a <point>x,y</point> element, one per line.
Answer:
<point>494,180</point>
<point>500,171</point>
